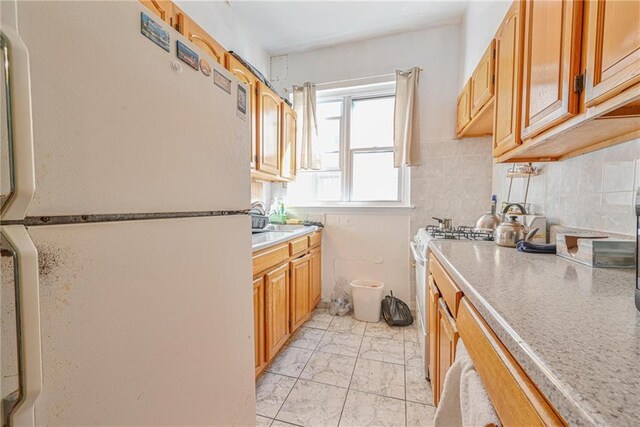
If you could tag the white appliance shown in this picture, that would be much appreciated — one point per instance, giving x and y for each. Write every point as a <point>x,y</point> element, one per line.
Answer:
<point>420,251</point>
<point>126,245</point>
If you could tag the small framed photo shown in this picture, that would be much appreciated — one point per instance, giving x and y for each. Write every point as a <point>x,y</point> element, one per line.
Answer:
<point>242,102</point>
<point>187,55</point>
<point>221,81</point>
<point>154,32</point>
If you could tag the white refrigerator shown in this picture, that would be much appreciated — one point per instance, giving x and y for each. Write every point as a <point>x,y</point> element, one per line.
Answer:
<point>126,252</point>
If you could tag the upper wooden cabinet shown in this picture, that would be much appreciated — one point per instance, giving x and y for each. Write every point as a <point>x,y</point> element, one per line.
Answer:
<point>506,123</point>
<point>482,80</point>
<point>475,103</point>
<point>613,48</point>
<point>163,9</point>
<point>268,132</point>
<point>199,37</point>
<point>552,35</point>
<point>464,108</point>
<point>288,143</point>
<point>243,74</point>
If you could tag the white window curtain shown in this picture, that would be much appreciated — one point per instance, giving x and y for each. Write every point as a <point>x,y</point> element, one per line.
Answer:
<point>304,104</point>
<point>406,124</point>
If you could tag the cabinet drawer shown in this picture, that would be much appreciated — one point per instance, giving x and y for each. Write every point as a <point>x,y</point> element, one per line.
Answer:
<point>448,289</point>
<point>516,399</point>
<point>270,257</point>
<point>315,239</point>
<point>298,245</point>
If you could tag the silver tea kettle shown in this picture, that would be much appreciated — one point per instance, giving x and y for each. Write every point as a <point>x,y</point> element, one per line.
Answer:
<point>509,232</point>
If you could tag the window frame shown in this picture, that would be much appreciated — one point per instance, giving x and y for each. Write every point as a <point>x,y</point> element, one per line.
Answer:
<point>347,95</point>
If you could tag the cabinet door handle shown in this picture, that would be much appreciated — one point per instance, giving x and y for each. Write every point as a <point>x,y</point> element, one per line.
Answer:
<point>16,90</point>
<point>16,240</point>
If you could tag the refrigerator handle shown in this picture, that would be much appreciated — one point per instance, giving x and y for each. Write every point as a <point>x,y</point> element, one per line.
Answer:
<point>17,90</point>
<point>28,323</point>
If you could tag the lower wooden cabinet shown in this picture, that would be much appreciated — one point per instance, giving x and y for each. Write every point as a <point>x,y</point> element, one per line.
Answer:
<point>277,309</point>
<point>315,290</point>
<point>258,324</point>
<point>300,288</point>
<point>434,297</point>
<point>447,340</point>
<point>287,286</point>
<point>516,399</point>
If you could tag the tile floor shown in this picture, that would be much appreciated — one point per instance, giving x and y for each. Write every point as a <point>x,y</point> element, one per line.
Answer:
<point>338,371</point>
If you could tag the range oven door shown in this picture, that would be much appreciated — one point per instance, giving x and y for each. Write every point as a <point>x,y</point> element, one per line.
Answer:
<point>421,305</point>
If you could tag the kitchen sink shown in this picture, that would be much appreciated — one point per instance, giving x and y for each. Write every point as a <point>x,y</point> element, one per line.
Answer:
<point>278,228</point>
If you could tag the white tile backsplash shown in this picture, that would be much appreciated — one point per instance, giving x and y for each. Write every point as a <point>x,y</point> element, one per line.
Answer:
<point>594,191</point>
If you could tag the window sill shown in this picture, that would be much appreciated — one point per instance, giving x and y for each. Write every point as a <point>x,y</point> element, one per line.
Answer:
<point>352,207</point>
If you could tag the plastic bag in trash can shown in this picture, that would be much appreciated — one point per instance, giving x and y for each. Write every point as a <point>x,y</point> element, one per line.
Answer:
<point>396,312</point>
<point>341,303</point>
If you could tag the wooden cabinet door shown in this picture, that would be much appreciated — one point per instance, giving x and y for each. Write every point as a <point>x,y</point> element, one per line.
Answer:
<point>196,35</point>
<point>277,309</point>
<point>434,330</point>
<point>482,80</point>
<point>315,262</point>
<point>161,8</point>
<point>506,119</point>
<point>268,130</point>
<point>613,48</point>
<point>464,108</point>
<point>552,40</point>
<point>288,143</point>
<point>300,287</point>
<point>447,340</point>
<point>243,74</point>
<point>258,324</point>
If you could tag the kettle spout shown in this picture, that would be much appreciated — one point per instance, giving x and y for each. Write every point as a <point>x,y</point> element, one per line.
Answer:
<point>530,234</point>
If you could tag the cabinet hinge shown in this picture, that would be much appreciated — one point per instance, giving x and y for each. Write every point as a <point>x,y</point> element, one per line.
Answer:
<point>493,79</point>
<point>578,83</point>
<point>494,54</point>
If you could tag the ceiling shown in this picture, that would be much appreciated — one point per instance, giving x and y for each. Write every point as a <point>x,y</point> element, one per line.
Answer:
<point>294,26</point>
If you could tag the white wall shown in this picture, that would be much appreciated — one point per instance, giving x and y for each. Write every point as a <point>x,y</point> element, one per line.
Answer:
<point>219,19</point>
<point>454,179</point>
<point>479,24</point>
<point>364,245</point>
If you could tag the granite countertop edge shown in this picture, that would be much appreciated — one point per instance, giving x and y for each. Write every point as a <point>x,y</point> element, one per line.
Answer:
<point>290,235</point>
<point>564,398</point>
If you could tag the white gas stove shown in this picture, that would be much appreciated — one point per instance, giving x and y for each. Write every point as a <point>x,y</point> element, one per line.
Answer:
<point>420,251</point>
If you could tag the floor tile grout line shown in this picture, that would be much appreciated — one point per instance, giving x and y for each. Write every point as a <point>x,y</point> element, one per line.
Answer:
<point>294,384</point>
<point>351,379</point>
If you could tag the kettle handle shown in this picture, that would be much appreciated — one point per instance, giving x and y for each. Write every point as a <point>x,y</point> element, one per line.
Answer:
<point>523,211</point>
<point>530,234</point>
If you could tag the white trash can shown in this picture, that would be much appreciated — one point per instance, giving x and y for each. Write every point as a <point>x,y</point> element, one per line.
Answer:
<point>367,296</point>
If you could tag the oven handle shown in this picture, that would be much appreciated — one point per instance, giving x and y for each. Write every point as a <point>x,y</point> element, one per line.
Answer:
<point>419,259</point>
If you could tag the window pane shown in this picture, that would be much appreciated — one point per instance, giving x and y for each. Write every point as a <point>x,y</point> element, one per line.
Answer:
<point>373,177</point>
<point>372,123</point>
<point>328,109</point>
<point>329,135</point>
<point>329,186</point>
<point>301,190</point>
<point>330,160</point>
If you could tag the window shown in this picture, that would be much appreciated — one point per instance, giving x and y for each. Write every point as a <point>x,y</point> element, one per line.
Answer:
<point>355,140</point>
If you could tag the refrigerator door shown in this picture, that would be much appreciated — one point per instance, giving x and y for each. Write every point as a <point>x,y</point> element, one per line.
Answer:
<point>122,126</point>
<point>143,323</point>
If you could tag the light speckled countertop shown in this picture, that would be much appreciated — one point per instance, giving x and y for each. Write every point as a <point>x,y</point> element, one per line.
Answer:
<point>575,330</point>
<point>264,240</point>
